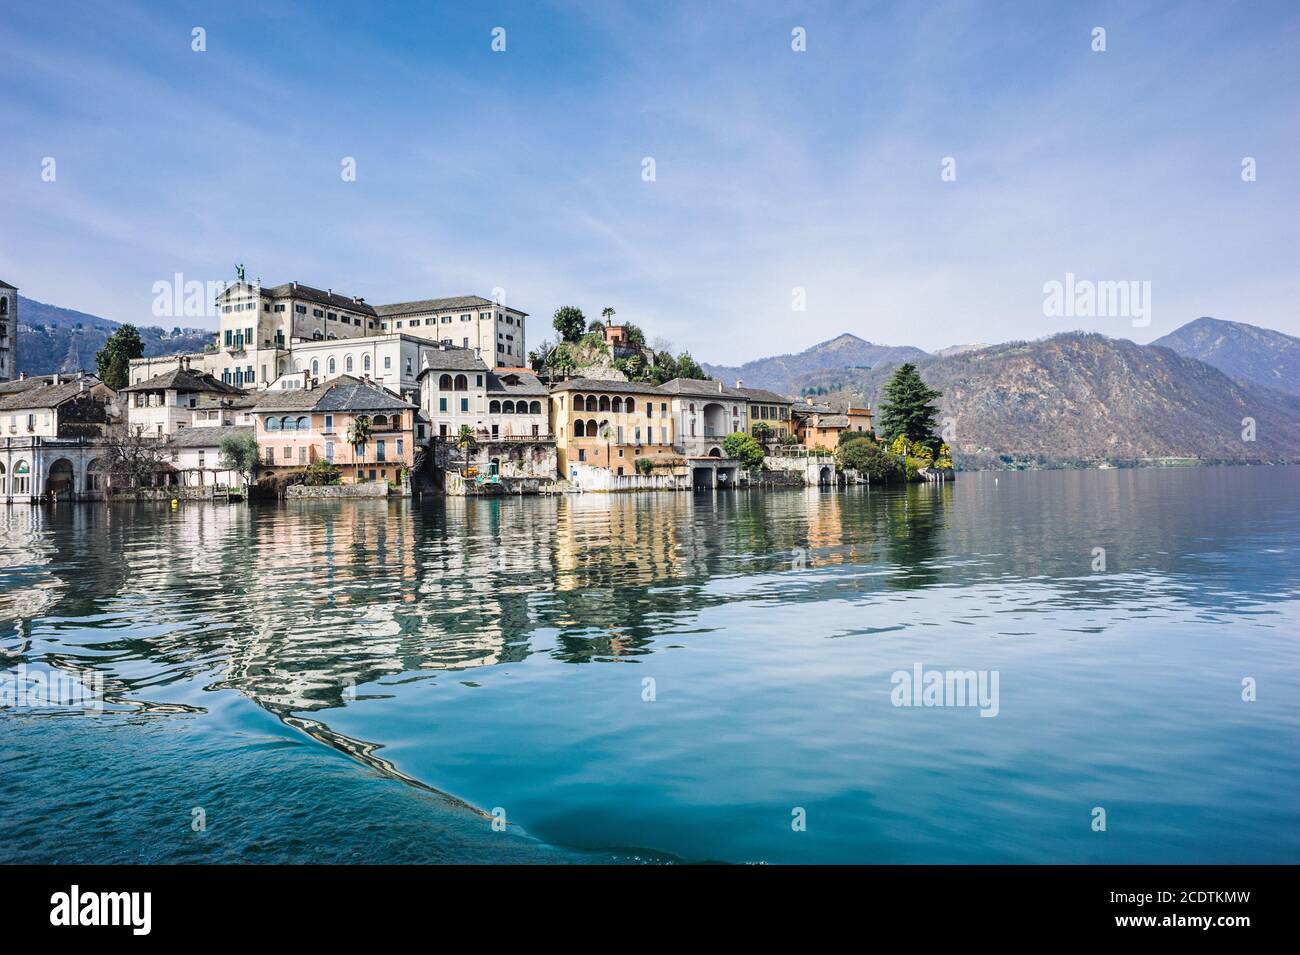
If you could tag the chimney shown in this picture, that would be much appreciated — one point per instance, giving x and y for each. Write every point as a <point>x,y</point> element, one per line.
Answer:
<point>22,376</point>
<point>719,386</point>
<point>81,382</point>
<point>740,383</point>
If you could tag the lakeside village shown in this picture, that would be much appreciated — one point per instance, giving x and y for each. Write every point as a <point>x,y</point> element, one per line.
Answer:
<point>309,393</point>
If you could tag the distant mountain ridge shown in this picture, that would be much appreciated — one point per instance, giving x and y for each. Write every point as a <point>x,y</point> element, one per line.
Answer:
<point>53,339</point>
<point>779,372</point>
<point>1241,351</point>
<point>1083,399</point>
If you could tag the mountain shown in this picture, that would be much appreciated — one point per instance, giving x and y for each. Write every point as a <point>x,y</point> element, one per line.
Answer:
<point>60,339</point>
<point>1259,355</point>
<point>843,351</point>
<point>961,349</point>
<point>1083,399</point>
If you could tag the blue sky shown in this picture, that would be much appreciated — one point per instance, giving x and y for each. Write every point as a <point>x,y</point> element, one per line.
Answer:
<point>775,170</point>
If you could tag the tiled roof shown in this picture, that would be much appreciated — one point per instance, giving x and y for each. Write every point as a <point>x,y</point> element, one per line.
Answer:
<point>524,383</point>
<point>693,386</point>
<point>185,379</point>
<point>4,284</point>
<point>610,387</point>
<point>45,395</point>
<point>452,358</point>
<point>319,296</point>
<point>833,421</point>
<point>763,395</point>
<point>344,393</point>
<point>208,437</point>
<point>432,305</point>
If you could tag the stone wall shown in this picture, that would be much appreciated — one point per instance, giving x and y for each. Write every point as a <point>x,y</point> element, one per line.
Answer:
<point>369,489</point>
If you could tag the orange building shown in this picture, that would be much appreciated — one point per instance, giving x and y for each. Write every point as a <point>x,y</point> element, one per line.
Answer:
<point>298,427</point>
<point>611,424</point>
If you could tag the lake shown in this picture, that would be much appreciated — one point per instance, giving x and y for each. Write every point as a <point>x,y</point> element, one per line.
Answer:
<point>664,677</point>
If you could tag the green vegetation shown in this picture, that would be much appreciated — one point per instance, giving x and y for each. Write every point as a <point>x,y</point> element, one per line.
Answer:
<point>762,432</point>
<point>644,465</point>
<point>569,322</point>
<point>466,443</point>
<point>113,361</point>
<point>908,409</point>
<point>867,456</point>
<point>239,453</point>
<point>745,449</point>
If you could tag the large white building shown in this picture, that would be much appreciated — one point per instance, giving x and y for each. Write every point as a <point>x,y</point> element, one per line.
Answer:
<point>266,333</point>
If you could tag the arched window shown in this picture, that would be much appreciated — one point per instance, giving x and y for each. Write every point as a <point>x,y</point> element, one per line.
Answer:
<point>272,424</point>
<point>331,366</point>
<point>535,407</point>
<point>347,364</point>
<point>462,383</point>
<point>692,407</point>
<point>494,407</point>
<point>579,403</point>
<point>508,408</point>
<point>591,427</point>
<point>579,429</point>
<point>4,306</point>
<point>734,411</point>
<point>315,368</point>
<point>604,403</point>
<point>444,383</point>
<point>618,406</point>
<point>287,424</point>
<point>303,424</point>
<point>315,336</point>
<point>381,421</point>
<point>365,363</point>
<point>331,336</point>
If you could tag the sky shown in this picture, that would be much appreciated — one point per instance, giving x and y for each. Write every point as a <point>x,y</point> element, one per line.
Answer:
<point>796,193</point>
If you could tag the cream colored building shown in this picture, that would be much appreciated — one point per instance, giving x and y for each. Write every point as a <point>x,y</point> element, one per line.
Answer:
<point>705,413</point>
<point>466,321</point>
<point>165,403</point>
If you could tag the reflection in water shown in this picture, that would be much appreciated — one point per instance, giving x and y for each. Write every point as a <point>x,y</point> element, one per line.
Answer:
<point>364,609</point>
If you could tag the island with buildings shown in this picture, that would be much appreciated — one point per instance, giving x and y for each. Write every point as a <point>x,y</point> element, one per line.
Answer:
<point>309,392</point>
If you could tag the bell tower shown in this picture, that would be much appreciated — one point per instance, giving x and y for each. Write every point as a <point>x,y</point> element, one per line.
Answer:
<point>8,331</point>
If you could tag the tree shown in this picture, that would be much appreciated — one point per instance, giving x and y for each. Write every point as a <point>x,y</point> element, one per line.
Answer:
<point>866,456</point>
<point>635,337</point>
<point>744,449</point>
<point>113,361</point>
<point>359,435</point>
<point>540,356</point>
<point>762,432</point>
<point>644,465</point>
<point>466,443</point>
<point>238,452</point>
<point>665,367</point>
<point>909,408</point>
<point>688,367</point>
<point>607,314</point>
<point>569,322</point>
<point>595,326</point>
<point>135,458</point>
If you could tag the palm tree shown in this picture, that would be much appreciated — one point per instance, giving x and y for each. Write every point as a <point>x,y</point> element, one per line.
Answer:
<point>605,432</point>
<point>359,435</point>
<point>466,443</point>
<point>607,313</point>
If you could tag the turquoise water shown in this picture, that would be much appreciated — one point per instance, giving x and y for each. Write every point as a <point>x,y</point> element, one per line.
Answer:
<point>665,677</point>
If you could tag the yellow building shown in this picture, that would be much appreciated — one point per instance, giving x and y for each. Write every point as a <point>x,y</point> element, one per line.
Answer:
<point>610,424</point>
<point>769,408</point>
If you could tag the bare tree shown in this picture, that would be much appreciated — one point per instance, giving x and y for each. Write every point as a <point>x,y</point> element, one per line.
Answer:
<point>135,458</point>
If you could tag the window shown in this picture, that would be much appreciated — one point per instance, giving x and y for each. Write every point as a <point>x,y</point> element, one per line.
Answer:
<point>279,306</point>
<point>331,316</point>
<point>300,309</point>
<point>442,404</point>
<point>379,450</point>
<point>329,448</point>
<point>317,313</point>
<point>494,407</point>
<point>288,454</point>
<point>347,364</point>
<point>464,404</point>
<point>462,383</point>
<point>400,447</point>
<point>388,362</point>
<point>272,424</point>
<point>315,367</point>
<point>365,363</point>
<point>329,424</point>
<point>331,366</point>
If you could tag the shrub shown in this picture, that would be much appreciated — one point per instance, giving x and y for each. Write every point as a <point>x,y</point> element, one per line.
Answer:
<point>866,456</point>
<point>745,449</point>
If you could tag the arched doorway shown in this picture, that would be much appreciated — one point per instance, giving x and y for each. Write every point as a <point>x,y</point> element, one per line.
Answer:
<point>96,478</point>
<point>824,478</point>
<point>60,483</point>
